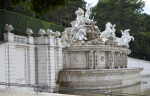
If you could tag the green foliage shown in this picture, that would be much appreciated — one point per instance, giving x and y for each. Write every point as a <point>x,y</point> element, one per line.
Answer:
<point>126,14</point>
<point>63,16</point>
<point>21,23</point>
<point>141,46</point>
<point>41,7</point>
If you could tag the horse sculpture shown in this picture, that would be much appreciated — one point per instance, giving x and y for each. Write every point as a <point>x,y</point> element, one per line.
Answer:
<point>125,38</point>
<point>109,31</point>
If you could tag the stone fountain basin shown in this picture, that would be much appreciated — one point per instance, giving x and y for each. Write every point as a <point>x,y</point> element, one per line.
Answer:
<point>99,78</point>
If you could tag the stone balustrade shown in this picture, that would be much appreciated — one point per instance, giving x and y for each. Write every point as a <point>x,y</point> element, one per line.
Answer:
<point>30,60</point>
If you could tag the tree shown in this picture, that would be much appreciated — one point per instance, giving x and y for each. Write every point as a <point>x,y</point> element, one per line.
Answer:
<point>40,7</point>
<point>64,15</point>
<point>126,14</point>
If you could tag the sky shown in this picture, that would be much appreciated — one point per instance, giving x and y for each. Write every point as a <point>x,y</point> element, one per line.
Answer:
<point>146,8</point>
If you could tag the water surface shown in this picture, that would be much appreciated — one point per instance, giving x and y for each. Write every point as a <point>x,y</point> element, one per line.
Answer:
<point>142,89</point>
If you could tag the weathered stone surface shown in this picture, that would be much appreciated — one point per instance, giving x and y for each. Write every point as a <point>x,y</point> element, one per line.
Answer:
<point>99,78</point>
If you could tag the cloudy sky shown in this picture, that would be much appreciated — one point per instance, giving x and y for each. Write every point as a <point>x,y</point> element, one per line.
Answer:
<point>146,8</point>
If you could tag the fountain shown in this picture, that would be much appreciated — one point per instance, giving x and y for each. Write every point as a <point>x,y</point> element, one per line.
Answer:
<point>94,59</point>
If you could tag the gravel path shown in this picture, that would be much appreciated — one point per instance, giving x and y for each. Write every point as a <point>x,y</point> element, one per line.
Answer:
<point>5,92</point>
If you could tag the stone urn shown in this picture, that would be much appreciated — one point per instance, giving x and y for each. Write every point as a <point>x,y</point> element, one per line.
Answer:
<point>49,32</point>
<point>29,32</point>
<point>57,34</point>
<point>41,32</point>
<point>8,28</point>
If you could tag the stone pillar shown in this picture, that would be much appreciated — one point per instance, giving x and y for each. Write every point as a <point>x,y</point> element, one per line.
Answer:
<point>111,59</point>
<point>64,59</point>
<point>43,71</point>
<point>124,60</point>
<point>96,60</point>
<point>3,68</point>
<point>30,40</point>
<point>107,65</point>
<point>118,60</point>
<point>121,57</point>
<point>46,63</point>
<point>9,37</point>
<point>59,54</point>
<point>10,64</point>
<point>31,64</point>
<point>52,70</point>
<point>91,61</point>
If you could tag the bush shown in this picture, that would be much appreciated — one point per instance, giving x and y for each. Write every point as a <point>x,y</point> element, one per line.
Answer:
<point>22,22</point>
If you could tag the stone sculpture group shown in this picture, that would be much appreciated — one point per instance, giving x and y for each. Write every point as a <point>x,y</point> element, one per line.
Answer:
<point>85,32</point>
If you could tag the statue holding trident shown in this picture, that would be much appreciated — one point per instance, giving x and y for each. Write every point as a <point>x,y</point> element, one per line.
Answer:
<point>88,12</point>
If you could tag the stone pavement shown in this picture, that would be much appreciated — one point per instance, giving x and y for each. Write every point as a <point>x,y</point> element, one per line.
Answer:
<point>6,92</point>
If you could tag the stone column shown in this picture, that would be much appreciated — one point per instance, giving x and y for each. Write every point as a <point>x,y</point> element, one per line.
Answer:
<point>9,37</point>
<point>31,64</point>
<point>59,54</point>
<point>52,70</point>
<point>96,59</point>
<point>30,40</point>
<point>118,60</point>
<point>111,59</point>
<point>91,61</point>
<point>10,64</point>
<point>121,56</point>
<point>124,60</point>
<point>43,71</point>
<point>43,61</point>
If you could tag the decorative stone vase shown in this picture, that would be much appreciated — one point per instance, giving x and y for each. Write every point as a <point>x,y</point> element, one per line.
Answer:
<point>41,32</point>
<point>57,34</point>
<point>8,28</point>
<point>29,32</point>
<point>49,32</point>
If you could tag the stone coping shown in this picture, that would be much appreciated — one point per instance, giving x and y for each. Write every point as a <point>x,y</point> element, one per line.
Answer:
<point>97,48</point>
<point>97,71</point>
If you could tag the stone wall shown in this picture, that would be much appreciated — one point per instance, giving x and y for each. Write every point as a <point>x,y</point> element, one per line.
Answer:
<point>2,64</point>
<point>137,63</point>
<point>28,60</point>
<point>99,79</point>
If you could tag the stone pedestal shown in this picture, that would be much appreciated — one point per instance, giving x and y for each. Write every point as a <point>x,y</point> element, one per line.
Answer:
<point>94,57</point>
<point>42,40</point>
<point>30,40</point>
<point>9,37</point>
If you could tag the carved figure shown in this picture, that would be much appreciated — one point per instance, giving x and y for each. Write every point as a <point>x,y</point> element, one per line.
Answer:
<point>88,12</point>
<point>125,38</point>
<point>80,34</point>
<point>80,14</point>
<point>64,37</point>
<point>109,31</point>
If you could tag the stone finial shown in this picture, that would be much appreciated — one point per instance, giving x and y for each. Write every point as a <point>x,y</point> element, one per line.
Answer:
<point>41,32</point>
<point>57,34</point>
<point>29,32</point>
<point>8,28</point>
<point>49,32</point>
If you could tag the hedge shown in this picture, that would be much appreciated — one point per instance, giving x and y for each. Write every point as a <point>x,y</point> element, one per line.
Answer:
<point>21,23</point>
